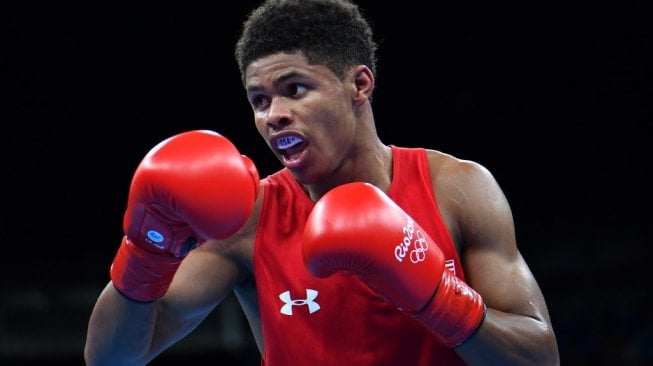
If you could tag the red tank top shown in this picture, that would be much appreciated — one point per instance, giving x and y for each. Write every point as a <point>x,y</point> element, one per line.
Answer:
<point>338,320</point>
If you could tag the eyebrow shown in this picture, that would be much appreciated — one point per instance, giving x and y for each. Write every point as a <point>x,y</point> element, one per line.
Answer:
<point>280,80</point>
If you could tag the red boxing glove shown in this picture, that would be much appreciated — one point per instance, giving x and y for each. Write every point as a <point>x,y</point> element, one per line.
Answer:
<point>357,228</point>
<point>190,187</point>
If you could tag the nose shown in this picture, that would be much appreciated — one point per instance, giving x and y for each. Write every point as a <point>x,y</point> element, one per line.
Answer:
<point>279,114</point>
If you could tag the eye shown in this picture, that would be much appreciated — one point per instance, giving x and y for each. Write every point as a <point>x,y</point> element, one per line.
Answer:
<point>296,90</point>
<point>259,101</point>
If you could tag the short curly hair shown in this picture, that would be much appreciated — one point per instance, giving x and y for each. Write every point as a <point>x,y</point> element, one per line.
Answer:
<point>332,33</point>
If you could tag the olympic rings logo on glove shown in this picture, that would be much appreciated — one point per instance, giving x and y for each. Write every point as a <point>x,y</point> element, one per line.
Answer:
<point>421,246</point>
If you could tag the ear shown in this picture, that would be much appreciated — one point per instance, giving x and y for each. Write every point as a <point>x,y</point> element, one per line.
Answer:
<point>363,84</point>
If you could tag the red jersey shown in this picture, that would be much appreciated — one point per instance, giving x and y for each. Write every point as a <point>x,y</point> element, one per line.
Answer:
<point>338,320</point>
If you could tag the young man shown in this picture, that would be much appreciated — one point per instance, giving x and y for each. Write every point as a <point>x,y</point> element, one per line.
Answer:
<point>356,252</point>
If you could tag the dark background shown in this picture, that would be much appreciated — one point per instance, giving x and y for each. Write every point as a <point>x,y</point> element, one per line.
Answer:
<point>554,98</point>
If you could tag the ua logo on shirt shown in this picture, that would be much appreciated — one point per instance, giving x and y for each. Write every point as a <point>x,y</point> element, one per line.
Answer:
<point>308,301</point>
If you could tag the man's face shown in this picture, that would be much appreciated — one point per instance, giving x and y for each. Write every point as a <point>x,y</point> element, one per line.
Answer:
<point>304,112</point>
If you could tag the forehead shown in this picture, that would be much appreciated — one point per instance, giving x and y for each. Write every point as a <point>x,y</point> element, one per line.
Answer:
<point>278,66</point>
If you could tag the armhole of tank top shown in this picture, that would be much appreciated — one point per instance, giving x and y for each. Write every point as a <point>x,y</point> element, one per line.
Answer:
<point>428,178</point>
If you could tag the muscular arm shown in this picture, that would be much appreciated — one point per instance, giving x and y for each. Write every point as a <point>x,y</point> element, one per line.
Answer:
<point>190,186</point>
<point>119,330</point>
<point>125,332</point>
<point>517,329</point>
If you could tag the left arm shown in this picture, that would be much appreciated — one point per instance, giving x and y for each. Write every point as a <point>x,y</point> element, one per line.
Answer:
<point>498,317</point>
<point>517,329</point>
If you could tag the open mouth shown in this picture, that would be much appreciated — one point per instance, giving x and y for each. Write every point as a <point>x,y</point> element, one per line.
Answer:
<point>290,147</point>
<point>288,142</point>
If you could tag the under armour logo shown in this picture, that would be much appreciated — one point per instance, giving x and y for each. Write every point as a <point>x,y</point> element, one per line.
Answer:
<point>309,301</point>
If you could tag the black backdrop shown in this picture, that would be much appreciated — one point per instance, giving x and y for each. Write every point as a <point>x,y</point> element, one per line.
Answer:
<point>554,98</point>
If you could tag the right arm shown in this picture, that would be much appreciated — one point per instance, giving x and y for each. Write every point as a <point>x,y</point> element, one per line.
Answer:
<point>120,330</point>
<point>191,187</point>
<point>126,332</point>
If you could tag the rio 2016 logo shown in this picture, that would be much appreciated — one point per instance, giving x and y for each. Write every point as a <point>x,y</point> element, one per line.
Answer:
<point>418,254</point>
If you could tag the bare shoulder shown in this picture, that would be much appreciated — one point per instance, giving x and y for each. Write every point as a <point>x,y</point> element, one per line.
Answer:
<point>469,197</point>
<point>461,179</point>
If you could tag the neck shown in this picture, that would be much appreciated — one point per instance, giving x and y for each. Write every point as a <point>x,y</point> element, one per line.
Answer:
<point>373,164</point>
